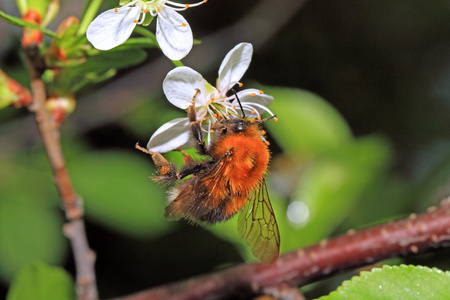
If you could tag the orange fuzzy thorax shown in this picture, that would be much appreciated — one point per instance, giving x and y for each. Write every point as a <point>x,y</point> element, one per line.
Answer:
<point>245,166</point>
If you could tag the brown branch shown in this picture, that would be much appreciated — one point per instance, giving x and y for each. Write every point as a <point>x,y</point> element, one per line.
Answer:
<point>417,233</point>
<point>74,229</point>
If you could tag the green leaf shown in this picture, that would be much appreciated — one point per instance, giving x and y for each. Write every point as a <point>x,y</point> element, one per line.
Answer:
<point>19,22</point>
<point>119,194</point>
<point>395,282</point>
<point>30,218</point>
<point>329,189</point>
<point>39,281</point>
<point>306,123</point>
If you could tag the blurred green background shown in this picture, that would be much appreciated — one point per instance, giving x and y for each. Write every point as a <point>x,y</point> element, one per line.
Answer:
<point>362,95</point>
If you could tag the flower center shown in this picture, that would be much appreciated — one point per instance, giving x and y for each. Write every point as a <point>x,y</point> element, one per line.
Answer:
<point>154,7</point>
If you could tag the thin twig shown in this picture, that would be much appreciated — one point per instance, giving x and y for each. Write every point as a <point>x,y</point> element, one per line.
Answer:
<point>74,229</point>
<point>417,233</point>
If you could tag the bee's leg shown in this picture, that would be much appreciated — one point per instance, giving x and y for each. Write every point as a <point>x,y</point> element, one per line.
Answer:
<point>166,169</point>
<point>195,128</point>
<point>190,166</point>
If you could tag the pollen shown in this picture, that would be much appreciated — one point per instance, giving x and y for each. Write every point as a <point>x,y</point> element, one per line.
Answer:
<point>267,143</point>
<point>144,11</point>
<point>226,114</point>
<point>240,84</point>
<point>261,91</point>
<point>253,94</point>
<point>158,9</point>
<point>183,24</point>
<point>259,118</point>
<point>253,111</point>
<point>215,115</point>
<point>220,114</point>
<point>275,119</point>
<point>234,107</point>
<point>115,9</point>
<point>212,99</point>
<point>263,132</point>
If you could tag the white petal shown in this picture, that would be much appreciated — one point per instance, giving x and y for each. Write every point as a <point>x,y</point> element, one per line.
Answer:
<point>180,86</point>
<point>111,29</point>
<point>170,136</point>
<point>174,39</point>
<point>233,66</point>
<point>246,96</point>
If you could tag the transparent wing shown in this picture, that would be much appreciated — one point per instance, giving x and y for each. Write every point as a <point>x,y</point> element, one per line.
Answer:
<point>258,227</point>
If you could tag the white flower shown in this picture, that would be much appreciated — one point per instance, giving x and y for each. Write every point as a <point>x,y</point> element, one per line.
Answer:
<point>113,27</point>
<point>182,83</point>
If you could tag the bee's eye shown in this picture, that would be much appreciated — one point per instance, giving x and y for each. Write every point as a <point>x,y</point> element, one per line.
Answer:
<point>240,126</point>
<point>223,130</point>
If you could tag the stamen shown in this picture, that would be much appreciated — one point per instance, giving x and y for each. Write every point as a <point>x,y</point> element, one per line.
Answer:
<point>240,84</point>
<point>253,94</point>
<point>144,11</point>
<point>212,130</point>
<point>183,24</point>
<point>214,115</point>
<point>187,5</point>
<point>135,21</point>
<point>275,119</point>
<point>158,9</point>
<point>212,99</point>
<point>115,9</point>
<point>261,92</point>
<point>259,118</point>
<point>263,132</point>
<point>253,111</point>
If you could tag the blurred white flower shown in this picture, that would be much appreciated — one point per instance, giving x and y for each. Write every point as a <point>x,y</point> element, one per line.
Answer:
<point>182,83</point>
<point>113,27</point>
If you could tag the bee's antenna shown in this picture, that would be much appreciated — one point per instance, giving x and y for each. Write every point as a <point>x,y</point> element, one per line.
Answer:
<point>239,101</point>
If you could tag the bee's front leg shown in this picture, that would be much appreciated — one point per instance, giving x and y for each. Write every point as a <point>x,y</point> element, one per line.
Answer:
<point>195,126</point>
<point>167,170</point>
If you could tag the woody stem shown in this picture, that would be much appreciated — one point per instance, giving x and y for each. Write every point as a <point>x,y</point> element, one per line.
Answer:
<point>72,204</point>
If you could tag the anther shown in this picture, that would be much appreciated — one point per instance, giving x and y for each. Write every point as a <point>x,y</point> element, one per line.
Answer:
<point>135,21</point>
<point>240,84</point>
<point>259,118</point>
<point>226,114</point>
<point>263,132</point>
<point>183,24</point>
<point>214,115</point>
<point>187,5</point>
<point>220,114</point>
<point>158,9</point>
<point>261,92</point>
<point>234,107</point>
<point>253,94</point>
<point>115,9</point>
<point>204,119</point>
<point>212,99</point>
<point>253,112</point>
<point>275,119</point>
<point>212,130</point>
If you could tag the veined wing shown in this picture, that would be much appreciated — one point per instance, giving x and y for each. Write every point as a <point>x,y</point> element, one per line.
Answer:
<point>258,227</point>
